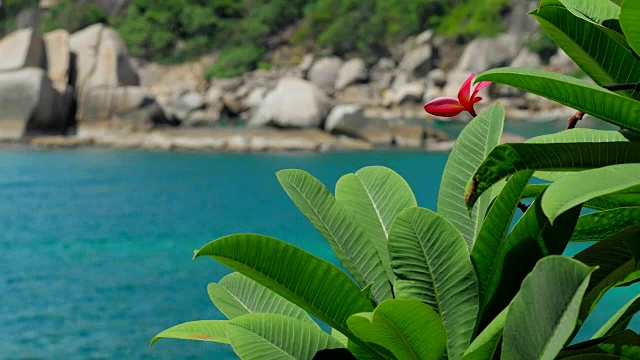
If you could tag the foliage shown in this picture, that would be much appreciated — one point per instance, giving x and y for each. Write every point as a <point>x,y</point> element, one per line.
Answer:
<point>236,61</point>
<point>73,16</point>
<point>461,283</point>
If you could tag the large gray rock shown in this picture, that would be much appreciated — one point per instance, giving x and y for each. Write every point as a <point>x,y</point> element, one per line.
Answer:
<point>408,93</point>
<point>124,102</point>
<point>31,105</point>
<point>28,18</point>
<point>347,119</point>
<point>482,54</point>
<point>293,103</point>
<point>22,48</point>
<point>59,58</point>
<point>324,73</point>
<point>351,72</point>
<point>526,59</point>
<point>562,63</point>
<point>417,62</point>
<point>102,59</point>
<point>186,104</point>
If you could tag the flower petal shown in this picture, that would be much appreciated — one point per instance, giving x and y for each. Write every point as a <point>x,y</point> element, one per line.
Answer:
<point>444,106</point>
<point>481,85</point>
<point>464,94</point>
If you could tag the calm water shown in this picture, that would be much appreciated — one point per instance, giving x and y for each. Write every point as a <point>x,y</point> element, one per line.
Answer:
<point>96,245</point>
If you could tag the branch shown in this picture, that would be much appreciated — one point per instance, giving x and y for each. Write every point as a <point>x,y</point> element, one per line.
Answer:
<point>573,121</point>
<point>622,87</point>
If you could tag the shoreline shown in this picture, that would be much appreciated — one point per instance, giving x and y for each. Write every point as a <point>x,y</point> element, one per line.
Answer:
<point>245,140</point>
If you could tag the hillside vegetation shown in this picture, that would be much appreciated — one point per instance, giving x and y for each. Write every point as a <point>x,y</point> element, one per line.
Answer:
<point>176,30</point>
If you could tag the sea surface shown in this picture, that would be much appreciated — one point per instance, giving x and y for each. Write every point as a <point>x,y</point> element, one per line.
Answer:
<point>96,244</point>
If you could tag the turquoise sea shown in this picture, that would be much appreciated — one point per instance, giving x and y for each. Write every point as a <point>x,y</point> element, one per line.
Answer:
<point>96,244</point>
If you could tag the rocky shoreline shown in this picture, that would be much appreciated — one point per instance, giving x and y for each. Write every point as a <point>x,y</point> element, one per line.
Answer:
<point>82,89</point>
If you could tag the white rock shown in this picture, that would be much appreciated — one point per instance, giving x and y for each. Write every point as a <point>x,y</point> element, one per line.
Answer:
<point>31,105</point>
<point>482,53</point>
<point>351,72</point>
<point>293,103</point>
<point>562,63</point>
<point>526,59</point>
<point>22,48</point>
<point>102,59</point>
<point>417,62</point>
<point>346,119</point>
<point>424,37</point>
<point>58,57</point>
<point>324,73</point>
<point>124,102</point>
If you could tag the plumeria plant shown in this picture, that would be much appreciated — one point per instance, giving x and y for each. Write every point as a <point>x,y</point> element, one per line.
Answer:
<point>460,282</point>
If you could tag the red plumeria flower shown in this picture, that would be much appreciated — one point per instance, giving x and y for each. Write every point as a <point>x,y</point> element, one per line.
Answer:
<point>448,106</point>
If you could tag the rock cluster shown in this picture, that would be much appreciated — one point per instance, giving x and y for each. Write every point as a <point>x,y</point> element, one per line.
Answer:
<point>55,83</point>
<point>85,83</point>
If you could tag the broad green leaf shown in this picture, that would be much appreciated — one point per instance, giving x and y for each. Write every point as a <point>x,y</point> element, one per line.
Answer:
<point>475,142</point>
<point>495,228</point>
<point>603,54</point>
<point>617,266</point>
<point>607,202</point>
<point>579,135</point>
<point>580,187</point>
<point>484,346</point>
<point>375,196</point>
<point>273,336</point>
<point>354,248</point>
<point>625,345</point>
<point>600,225</point>
<point>532,238</point>
<point>407,328</point>
<point>596,11</point>
<point>236,295</point>
<point>532,331</point>
<point>630,22</point>
<point>431,260</point>
<point>315,285</point>
<point>508,159</point>
<point>620,320</point>
<point>576,93</point>
<point>340,336</point>
<point>202,330</point>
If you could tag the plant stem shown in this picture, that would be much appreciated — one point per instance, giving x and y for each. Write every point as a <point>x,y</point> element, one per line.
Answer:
<point>622,87</point>
<point>573,121</point>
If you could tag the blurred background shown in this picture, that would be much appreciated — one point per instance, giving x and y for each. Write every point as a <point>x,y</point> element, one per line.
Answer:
<point>99,220</point>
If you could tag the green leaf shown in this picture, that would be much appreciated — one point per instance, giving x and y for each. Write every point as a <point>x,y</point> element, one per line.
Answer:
<point>607,202</point>
<point>531,330</point>
<point>431,260</point>
<point>603,54</point>
<point>532,238</point>
<point>578,188</point>
<point>202,330</point>
<point>576,93</point>
<point>596,11</point>
<point>508,159</point>
<point>484,346</point>
<point>340,336</point>
<point>600,225</point>
<point>630,22</point>
<point>407,328</point>
<point>273,336</point>
<point>475,142</point>
<point>315,285</point>
<point>579,135</point>
<point>620,320</point>
<point>355,250</point>
<point>375,196</point>
<point>625,345</point>
<point>236,295</point>
<point>495,228</point>
<point>617,266</point>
